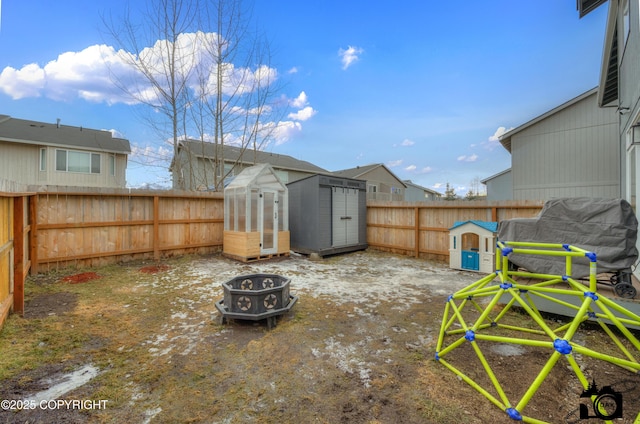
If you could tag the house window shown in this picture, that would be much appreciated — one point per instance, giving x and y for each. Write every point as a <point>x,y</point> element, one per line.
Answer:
<point>74,161</point>
<point>372,188</point>
<point>43,159</point>
<point>112,165</point>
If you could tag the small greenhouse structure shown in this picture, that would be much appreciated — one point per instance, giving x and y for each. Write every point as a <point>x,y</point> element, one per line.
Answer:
<point>256,215</point>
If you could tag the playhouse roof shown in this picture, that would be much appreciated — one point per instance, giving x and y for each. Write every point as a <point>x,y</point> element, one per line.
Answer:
<point>487,225</point>
<point>261,175</point>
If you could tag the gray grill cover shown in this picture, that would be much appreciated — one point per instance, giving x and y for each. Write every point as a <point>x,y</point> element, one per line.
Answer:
<point>607,227</point>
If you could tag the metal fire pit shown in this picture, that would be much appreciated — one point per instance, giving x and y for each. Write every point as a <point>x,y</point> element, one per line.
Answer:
<point>256,297</point>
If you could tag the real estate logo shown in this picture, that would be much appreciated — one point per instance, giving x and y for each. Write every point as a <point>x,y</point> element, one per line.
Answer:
<point>606,403</point>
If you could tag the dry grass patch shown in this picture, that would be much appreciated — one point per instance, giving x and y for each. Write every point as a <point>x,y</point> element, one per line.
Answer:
<point>358,347</point>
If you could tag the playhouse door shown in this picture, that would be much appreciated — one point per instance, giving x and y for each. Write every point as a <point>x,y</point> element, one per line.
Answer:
<point>471,260</point>
<point>268,225</point>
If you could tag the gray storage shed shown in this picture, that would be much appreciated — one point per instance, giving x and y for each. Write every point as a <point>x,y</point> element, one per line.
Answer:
<point>327,215</point>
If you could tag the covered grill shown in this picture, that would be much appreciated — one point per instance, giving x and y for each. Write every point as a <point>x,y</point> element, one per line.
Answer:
<point>607,227</point>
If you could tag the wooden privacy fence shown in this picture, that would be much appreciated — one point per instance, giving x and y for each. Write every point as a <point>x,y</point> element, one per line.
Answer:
<point>14,252</point>
<point>421,229</point>
<point>91,229</point>
<point>50,230</point>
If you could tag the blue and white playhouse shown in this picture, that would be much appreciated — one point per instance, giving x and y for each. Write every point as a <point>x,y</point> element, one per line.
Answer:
<point>472,245</point>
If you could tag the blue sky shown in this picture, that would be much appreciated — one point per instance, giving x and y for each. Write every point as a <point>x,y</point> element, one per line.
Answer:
<point>421,86</point>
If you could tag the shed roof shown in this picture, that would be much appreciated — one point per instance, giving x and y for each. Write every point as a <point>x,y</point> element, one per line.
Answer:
<point>487,225</point>
<point>45,134</point>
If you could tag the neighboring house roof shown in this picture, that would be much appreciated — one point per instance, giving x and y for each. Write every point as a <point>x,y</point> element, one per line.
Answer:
<point>499,174</point>
<point>45,134</point>
<point>489,226</point>
<point>249,157</point>
<point>359,171</point>
<point>608,92</point>
<point>505,139</point>
<point>409,183</point>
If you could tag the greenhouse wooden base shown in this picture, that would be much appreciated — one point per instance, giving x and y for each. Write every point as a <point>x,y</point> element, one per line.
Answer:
<point>245,247</point>
<point>256,258</point>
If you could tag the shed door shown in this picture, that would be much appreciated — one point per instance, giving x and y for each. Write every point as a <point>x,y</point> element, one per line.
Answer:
<point>344,216</point>
<point>268,222</point>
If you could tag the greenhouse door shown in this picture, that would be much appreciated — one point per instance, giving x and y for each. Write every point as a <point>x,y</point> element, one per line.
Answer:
<point>268,225</point>
<point>345,216</point>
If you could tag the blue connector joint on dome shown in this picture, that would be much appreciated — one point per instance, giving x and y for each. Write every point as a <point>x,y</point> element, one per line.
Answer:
<point>565,277</point>
<point>592,295</point>
<point>592,314</point>
<point>523,290</point>
<point>591,256</point>
<point>437,356</point>
<point>505,286</point>
<point>470,335</point>
<point>470,297</point>
<point>513,414</point>
<point>562,346</point>
<point>507,251</point>
<point>450,298</point>
<point>566,247</point>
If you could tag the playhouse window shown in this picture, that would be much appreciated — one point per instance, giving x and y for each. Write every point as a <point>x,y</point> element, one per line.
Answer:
<point>470,241</point>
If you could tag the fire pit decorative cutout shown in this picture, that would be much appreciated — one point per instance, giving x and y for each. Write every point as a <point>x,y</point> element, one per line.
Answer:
<point>256,297</point>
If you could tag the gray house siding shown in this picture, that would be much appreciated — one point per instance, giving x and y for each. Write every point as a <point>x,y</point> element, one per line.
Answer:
<point>22,163</point>
<point>196,163</point>
<point>499,186</point>
<point>571,152</point>
<point>382,184</point>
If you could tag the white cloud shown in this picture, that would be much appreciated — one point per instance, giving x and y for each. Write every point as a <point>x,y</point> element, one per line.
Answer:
<point>115,133</point>
<point>494,140</point>
<point>150,155</point>
<point>414,169</point>
<point>394,163</point>
<point>300,101</point>
<point>405,143</point>
<point>465,158</point>
<point>302,114</point>
<point>349,56</point>
<point>21,83</point>
<point>438,185</point>
<point>88,74</point>
<point>293,70</point>
<point>283,131</point>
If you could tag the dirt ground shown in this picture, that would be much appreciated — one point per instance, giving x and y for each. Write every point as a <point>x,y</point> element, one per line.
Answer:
<point>144,343</point>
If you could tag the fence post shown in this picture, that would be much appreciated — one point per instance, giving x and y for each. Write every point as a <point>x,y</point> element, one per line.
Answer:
<point>416,219</point>
<point>156,228</point>
<point>18,255</point>
<point>33,233</point>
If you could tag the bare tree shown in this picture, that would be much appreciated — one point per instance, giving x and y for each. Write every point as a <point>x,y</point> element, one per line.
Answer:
<point>161,61</point>
<point>198,65</point>
<point>238,84</point>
